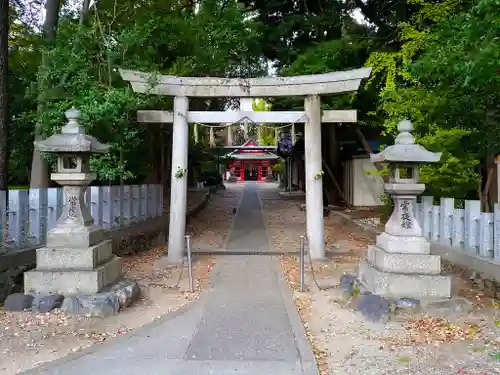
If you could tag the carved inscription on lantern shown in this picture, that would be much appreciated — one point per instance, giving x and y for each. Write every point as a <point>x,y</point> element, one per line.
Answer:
<point>72,207</point>
<point>405,214</point>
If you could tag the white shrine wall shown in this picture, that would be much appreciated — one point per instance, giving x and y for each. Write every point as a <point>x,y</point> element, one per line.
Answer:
<point>362,186</point>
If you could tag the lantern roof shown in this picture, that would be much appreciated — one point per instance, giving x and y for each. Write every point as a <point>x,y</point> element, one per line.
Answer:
<point>405,150</point>
<point>72,138</point>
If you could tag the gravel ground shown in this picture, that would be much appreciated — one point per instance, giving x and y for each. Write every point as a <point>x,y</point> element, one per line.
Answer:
<point>286,222</point>
<point>210,228</point>
<point>344,343</point>
<point>28,339</point>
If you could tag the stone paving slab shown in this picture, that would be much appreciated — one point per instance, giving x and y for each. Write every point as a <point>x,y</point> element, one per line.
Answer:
<point>246,324</point>
<point>161,366</point>
<point>245,318</point>
<point>249,229</point>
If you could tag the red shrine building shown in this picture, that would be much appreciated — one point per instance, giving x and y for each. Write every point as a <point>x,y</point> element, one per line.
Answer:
<point>251,162</point>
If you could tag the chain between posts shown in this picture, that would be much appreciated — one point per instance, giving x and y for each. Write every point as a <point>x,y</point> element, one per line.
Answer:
<point>250,121</point>
<point>303,241</point>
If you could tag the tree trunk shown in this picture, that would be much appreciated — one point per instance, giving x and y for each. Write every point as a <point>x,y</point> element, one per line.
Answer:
<point>332,161</point>
<point>486,191</point>
<point>4,107</point>
<point>335,182</point>
<point>168,160</point>
<point>39,167</point>
<point>84,11</point>
<point>163,166</point>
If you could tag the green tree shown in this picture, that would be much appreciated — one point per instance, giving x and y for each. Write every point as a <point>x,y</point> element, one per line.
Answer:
<point>39,167</point>
<point>449,89</point>
<point>4,92</point>
<point>267,131</point>
<point>149,35</point>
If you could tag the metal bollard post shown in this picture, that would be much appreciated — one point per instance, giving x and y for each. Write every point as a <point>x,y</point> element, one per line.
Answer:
<point>190,266</point>
<point>302,260</point>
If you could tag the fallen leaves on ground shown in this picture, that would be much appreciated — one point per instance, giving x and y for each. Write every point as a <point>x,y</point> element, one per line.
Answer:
<point>290,268</point>
<point>430,337</point>
<point>303,303</point>
<point>141,267</point>
<point>29,339</point>
<point>138,261</point>
<point>210,228</point>
<point>100,337</point>
<point>464,285</point>
<point>436,330</point>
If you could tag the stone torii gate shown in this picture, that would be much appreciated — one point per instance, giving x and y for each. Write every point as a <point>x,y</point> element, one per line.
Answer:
<point>309,86</point>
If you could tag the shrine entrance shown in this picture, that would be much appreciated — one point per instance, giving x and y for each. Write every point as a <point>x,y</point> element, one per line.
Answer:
<point>310,87</point>
<point>250,172</point>
<point>251,162</point>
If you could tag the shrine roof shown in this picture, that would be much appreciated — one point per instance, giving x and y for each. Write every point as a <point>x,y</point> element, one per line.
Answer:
<point>266,156</point>
<point>251,151</point>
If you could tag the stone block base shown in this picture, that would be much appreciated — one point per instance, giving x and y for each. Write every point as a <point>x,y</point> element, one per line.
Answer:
<point>402,244</point>
<point>398,285</point>
<point>73,281</point>
<point>50,258</point>
<point>404,263</point>
<point>75,237</point>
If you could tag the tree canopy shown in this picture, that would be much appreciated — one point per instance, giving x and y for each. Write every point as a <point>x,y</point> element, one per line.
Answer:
<point>435,62</point>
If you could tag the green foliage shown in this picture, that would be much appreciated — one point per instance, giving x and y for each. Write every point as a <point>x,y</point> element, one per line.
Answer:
<point>356,290</point>
<point>319,175</point>
<point>180,173</point>
<point>210,174</point>
<point>279,167</point>
<point>260,105</point>
<point>267,132</point>
<point>330,56</point>
<point>455,175</point>
<point>444,79</point>
<point>394,65</point>
<point>387,207</point>
<point>203,160</point>
<point>23,65</point>
<point>82,71</point>
<point>267,140</point>
<point>434,62</point>
<point>325,57</point>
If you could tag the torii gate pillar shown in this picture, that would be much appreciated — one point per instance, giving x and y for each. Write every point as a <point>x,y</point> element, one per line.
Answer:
<point>178,188</point>
<point>314,178</point>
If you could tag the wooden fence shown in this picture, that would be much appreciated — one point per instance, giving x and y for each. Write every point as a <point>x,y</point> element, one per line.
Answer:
<point>32,213</point>
<point>467,229</point>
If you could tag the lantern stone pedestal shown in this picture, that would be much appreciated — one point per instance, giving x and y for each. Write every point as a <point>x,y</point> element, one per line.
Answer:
<point>400,264</point>
<point>76,259</point>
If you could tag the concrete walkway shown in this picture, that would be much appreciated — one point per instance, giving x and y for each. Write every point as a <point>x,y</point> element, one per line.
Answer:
<point>246,324</point>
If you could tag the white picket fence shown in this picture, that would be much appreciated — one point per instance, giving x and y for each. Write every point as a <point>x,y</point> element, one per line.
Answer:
<point>32,213</point>
<point>467,229</point>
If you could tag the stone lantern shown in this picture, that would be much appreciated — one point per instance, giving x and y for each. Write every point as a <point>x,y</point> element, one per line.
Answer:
<point>76,258</point>
<point>400,264</point>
